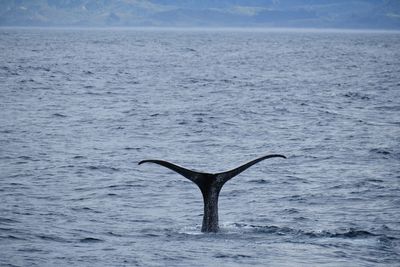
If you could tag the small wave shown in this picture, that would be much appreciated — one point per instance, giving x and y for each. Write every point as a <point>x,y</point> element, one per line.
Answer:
<point>296,198</point>
<point>92,93</point>
<point>37,68</point>
<point>154,232</point>
<point>133,148</point>
<point>201,114</point>
<point>291,211</point>
<point>21,162</point>
<point>260,181</point>
<point>232,256</point>
<point>12,237</point>
<point>188,49</point>
<point>133,82</point>
<point>227,81</point>
<point>183,123</point>
<point>203,81</point>
<point>7,220</point>
<point>52,238</point>
<point>355,95</point>
<point>103,168</point>
<point>26,80</point>
<point>385,153</point>
<point>120,186</point>
<point>374,180</point>
<point>11,265</point>
<point>114,234</point>
<point>388,108</point>
<point>90,240</point>
<point>30,250</point>
<point>350,233</point>
<point>84,209</point>
<point>274,230</point>
<point>25,157</point>
<point>380,151</point>
<point>59,115</point>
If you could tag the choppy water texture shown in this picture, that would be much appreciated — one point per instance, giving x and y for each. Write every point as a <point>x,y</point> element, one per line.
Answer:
<point>80,108</point>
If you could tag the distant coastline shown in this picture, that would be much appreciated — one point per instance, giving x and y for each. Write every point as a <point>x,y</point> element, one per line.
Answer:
<point>210,29</point>
<point>351,14</point>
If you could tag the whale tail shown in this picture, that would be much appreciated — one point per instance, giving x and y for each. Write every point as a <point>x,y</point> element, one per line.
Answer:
<point>199,178</point>
<point>223,177</point>
<point>210,185</point>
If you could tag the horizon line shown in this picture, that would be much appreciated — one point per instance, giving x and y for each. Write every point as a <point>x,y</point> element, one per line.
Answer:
<point>209,28</point>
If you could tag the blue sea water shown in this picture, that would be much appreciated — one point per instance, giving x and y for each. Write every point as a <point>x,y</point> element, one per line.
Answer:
<point>80,108</point>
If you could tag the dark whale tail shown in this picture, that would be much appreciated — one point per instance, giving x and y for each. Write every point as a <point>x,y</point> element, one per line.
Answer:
<point>210,185</point>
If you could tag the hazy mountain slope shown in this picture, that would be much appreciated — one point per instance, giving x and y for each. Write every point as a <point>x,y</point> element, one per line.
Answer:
<point>276,13</point>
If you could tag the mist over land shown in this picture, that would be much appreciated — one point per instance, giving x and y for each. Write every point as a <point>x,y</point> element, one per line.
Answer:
<point>353,14</point>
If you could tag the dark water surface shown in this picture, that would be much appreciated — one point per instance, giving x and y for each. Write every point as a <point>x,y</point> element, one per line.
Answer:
<point>80,108</point>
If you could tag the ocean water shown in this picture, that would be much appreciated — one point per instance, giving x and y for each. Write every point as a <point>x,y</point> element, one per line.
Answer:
<point>80,108</point>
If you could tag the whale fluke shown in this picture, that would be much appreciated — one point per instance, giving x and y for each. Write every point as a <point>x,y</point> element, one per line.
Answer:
<point>226,176</point>
<point>195,177</point>
<point>210,186</point>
